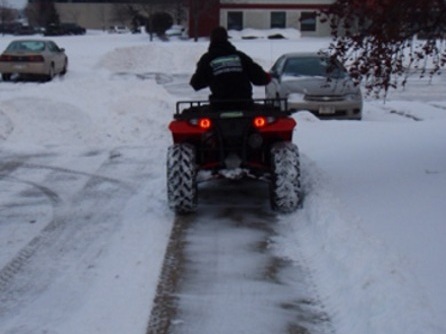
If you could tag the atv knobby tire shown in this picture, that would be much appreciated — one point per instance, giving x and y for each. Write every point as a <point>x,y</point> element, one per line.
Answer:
<point>285,188</point>
<point>181,178</point>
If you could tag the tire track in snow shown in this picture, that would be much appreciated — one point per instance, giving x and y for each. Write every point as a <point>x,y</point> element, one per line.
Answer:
<point>81,224</point>
<point>6,126</point>
<point>165,303</point>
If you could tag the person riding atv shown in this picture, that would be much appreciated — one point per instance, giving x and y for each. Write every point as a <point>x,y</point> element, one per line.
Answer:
<point>228,72</point>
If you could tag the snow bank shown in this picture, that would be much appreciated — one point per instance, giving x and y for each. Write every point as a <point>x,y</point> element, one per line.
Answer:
<point>289,34</point>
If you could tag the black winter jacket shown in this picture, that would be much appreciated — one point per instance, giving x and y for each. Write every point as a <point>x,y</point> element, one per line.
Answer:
<point>228,73</point>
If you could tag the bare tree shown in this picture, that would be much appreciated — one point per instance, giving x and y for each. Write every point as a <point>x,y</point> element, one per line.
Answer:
<point>147,11</point>
<point>179,13</point>
<point>378,38</point>
<point>6,14</point>
<point>42,13</point>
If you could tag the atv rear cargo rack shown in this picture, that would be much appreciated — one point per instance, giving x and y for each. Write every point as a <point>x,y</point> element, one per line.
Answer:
<point>237,108</point>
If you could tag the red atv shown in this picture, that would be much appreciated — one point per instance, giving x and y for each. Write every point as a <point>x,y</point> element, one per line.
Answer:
<point>252,141</point>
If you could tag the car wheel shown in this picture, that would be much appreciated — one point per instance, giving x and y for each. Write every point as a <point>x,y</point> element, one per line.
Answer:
<point>65,67</point>
<point>6,76</point>
<point>51,72</point>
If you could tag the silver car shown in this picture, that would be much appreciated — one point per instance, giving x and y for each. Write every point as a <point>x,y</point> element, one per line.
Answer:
<point>310,81</point>
<point>33,57</point>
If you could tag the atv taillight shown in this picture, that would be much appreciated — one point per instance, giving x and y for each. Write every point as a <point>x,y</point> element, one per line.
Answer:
<point>261,121</point>
<point>202,123</point>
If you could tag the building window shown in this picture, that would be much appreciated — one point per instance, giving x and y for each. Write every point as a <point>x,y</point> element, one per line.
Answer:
<point>308,21</point>
<point>278,19</point>
<point>235,20</point>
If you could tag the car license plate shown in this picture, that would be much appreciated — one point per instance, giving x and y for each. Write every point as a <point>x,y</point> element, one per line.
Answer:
<point>325,110</point>
<point>19,66</point>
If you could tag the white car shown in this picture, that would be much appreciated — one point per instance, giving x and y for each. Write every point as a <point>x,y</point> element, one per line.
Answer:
<point>119,29</point>
<point>310,81</point>
<point>33,57</point>
<point>177,31</point>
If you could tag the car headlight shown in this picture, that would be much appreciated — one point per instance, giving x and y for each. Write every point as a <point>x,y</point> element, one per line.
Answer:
<point>353,96</point>
<point>296,97</point>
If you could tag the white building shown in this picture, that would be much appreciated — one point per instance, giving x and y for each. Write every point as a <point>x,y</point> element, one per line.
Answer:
<point>202,18</point>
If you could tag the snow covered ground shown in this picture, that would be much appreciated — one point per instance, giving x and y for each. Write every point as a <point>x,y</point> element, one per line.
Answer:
<point>371,232</point>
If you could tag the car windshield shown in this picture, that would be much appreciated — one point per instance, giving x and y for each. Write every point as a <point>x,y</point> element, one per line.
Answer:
<point>30,46</point>
<point>313,66</point>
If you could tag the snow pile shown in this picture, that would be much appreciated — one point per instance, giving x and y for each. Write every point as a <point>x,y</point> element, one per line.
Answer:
<point>351,267</point>
<point>172,57</point>
<point>289,34</point>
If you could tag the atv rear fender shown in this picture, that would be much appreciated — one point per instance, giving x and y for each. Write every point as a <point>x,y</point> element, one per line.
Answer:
<point>193,122</point>
<point>184,130</point>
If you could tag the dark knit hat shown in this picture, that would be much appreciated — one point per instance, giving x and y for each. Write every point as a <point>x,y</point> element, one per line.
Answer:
<point>219,35</point>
